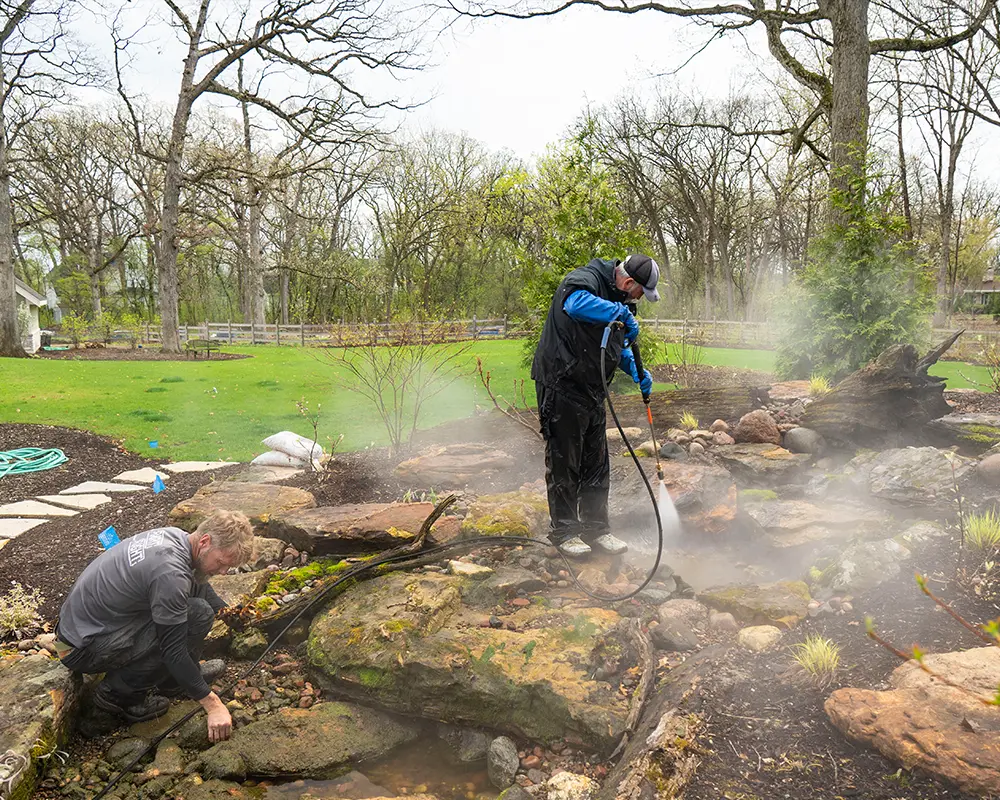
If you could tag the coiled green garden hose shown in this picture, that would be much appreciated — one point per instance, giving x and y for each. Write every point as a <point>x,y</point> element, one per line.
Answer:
<point>29,459</point>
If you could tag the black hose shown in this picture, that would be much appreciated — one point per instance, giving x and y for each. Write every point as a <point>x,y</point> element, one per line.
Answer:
<point>471,544</point>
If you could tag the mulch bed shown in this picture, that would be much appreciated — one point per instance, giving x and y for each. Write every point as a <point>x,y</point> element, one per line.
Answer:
<point>51,556</point>
<point>766,726</point>
<point>127,354</point>
<point>704,376</point>
<point>973,402</point>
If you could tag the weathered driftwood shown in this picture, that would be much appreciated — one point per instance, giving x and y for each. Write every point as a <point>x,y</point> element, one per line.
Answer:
<point>886,403</point>
<point>646,656</point>
<point>728,403</point>
<point>663,753</point>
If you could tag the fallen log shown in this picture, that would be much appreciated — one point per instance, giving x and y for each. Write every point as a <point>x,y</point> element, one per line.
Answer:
<point>886,403</point>
<point>707,405</point>
<point>663,752</point>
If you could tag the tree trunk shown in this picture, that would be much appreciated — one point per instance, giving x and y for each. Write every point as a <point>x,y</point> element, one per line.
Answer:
<point>850,57</point>
<point>10,344</point>
<point>886,403</point>
<point>284,296</point>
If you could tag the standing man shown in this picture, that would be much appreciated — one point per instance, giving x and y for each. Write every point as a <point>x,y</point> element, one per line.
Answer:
<point>140,613</point>
<point>567,375</point>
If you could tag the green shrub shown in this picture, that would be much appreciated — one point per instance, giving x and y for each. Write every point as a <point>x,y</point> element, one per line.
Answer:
<point>863,290</point>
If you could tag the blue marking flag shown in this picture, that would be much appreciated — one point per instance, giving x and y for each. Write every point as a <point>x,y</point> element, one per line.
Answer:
<point>158,485</point>
<point>154,443</point>
<point>108,537</point>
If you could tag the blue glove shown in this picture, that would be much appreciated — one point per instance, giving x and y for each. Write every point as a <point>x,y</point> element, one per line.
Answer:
<point>631,326</point>
<point>646,384</point>
<point>627,364</point>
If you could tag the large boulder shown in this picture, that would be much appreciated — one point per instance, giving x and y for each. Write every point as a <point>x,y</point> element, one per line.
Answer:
<point>352,529</point>
<point>762,464</point>
<point>704,495</point>
<point>259,501</point>
<point>862,566</point>
<point>972,433</point>
<point>521,513</point>
<point>784,602</point>
<point>923,724</point>
<point>908,476</point>
<point>789,391</point>
<point>406,642</point>
<point>757,427</point>
<point>453,466</point>
<point>306,743</point>
<point>790,523</point>
<point>38,696</point>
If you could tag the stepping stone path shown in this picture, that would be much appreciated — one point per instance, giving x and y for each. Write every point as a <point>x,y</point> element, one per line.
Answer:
<point>23,515</point>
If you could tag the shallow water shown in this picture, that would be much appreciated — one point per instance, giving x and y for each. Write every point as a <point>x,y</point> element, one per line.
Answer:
<point>425,766</point>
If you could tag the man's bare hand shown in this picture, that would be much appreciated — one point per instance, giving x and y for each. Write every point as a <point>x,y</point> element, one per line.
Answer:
<point>220,723</point>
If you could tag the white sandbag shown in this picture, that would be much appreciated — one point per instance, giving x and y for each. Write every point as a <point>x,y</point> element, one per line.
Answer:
<point>275,458</point>
<point>294,445</point>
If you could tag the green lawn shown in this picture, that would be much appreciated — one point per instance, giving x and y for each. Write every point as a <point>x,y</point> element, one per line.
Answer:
<point>222,409</point>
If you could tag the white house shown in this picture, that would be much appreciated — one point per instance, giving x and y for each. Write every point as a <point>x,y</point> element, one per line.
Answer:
<point>28,298</point>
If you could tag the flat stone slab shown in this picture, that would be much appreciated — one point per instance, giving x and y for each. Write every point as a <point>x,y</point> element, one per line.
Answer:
<point>92,487</point>
<point>33,508</point>
<point>259,501</point>
<point>84,502</point>
<point>146,475</point>
<point>12,528</point>
<point>261,474</point>
<point>196,466</point>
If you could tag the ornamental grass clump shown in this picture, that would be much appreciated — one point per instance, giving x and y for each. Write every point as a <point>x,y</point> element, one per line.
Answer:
<point>982,531</point>
<point>818,386</point>
<point>688,421</point>
<point>19,618</point>
<point>819,657</point>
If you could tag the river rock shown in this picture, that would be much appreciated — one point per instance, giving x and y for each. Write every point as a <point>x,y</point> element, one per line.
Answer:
<point>758,637</point>
<point>248,644</point>
<point>453,466</point>
<point>722,622</point>
<point>570,786</point>
<point>762,464</point>
<point>681,609</point>
<point>862,566</point>
<point>705,495</point>
<point>38,699</point>
<point>784,603</point>
<point>266,551</point>
<point>791,523</point>
<point>719,426</point>
<point>121,753</point>
<point>923,724</point>
<point>467,744</point>
<point>241,587</point>
<point>757,427</point>
<point>988,470</point>
<point>804,440</point>
<point>349,530</point>
<point>973,433</point>
<point>299,742</point>
<point>615,438</point>
<point>674,635</point>
<point>169,759</point>
<point>502,762</point>
<point>257,500</point>
<point>406,642</point>
<point>520,513</point>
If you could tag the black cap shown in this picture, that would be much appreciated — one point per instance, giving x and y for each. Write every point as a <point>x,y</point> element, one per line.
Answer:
<point>644,271</point>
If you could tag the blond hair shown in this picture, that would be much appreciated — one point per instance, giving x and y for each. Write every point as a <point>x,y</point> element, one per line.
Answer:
<point>230,531</point>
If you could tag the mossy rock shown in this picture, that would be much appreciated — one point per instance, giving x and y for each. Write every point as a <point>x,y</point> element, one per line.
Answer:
<point>521,513</point>
<point>782,603</point>
<point>408,643</point>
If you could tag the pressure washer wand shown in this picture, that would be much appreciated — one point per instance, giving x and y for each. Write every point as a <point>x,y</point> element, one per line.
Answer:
<point>649,411</point>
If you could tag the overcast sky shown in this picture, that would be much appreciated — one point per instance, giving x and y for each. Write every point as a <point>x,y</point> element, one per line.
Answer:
<point>515,85</point>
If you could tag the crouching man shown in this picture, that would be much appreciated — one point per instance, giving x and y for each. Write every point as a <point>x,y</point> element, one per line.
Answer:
<point>140,613</point>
